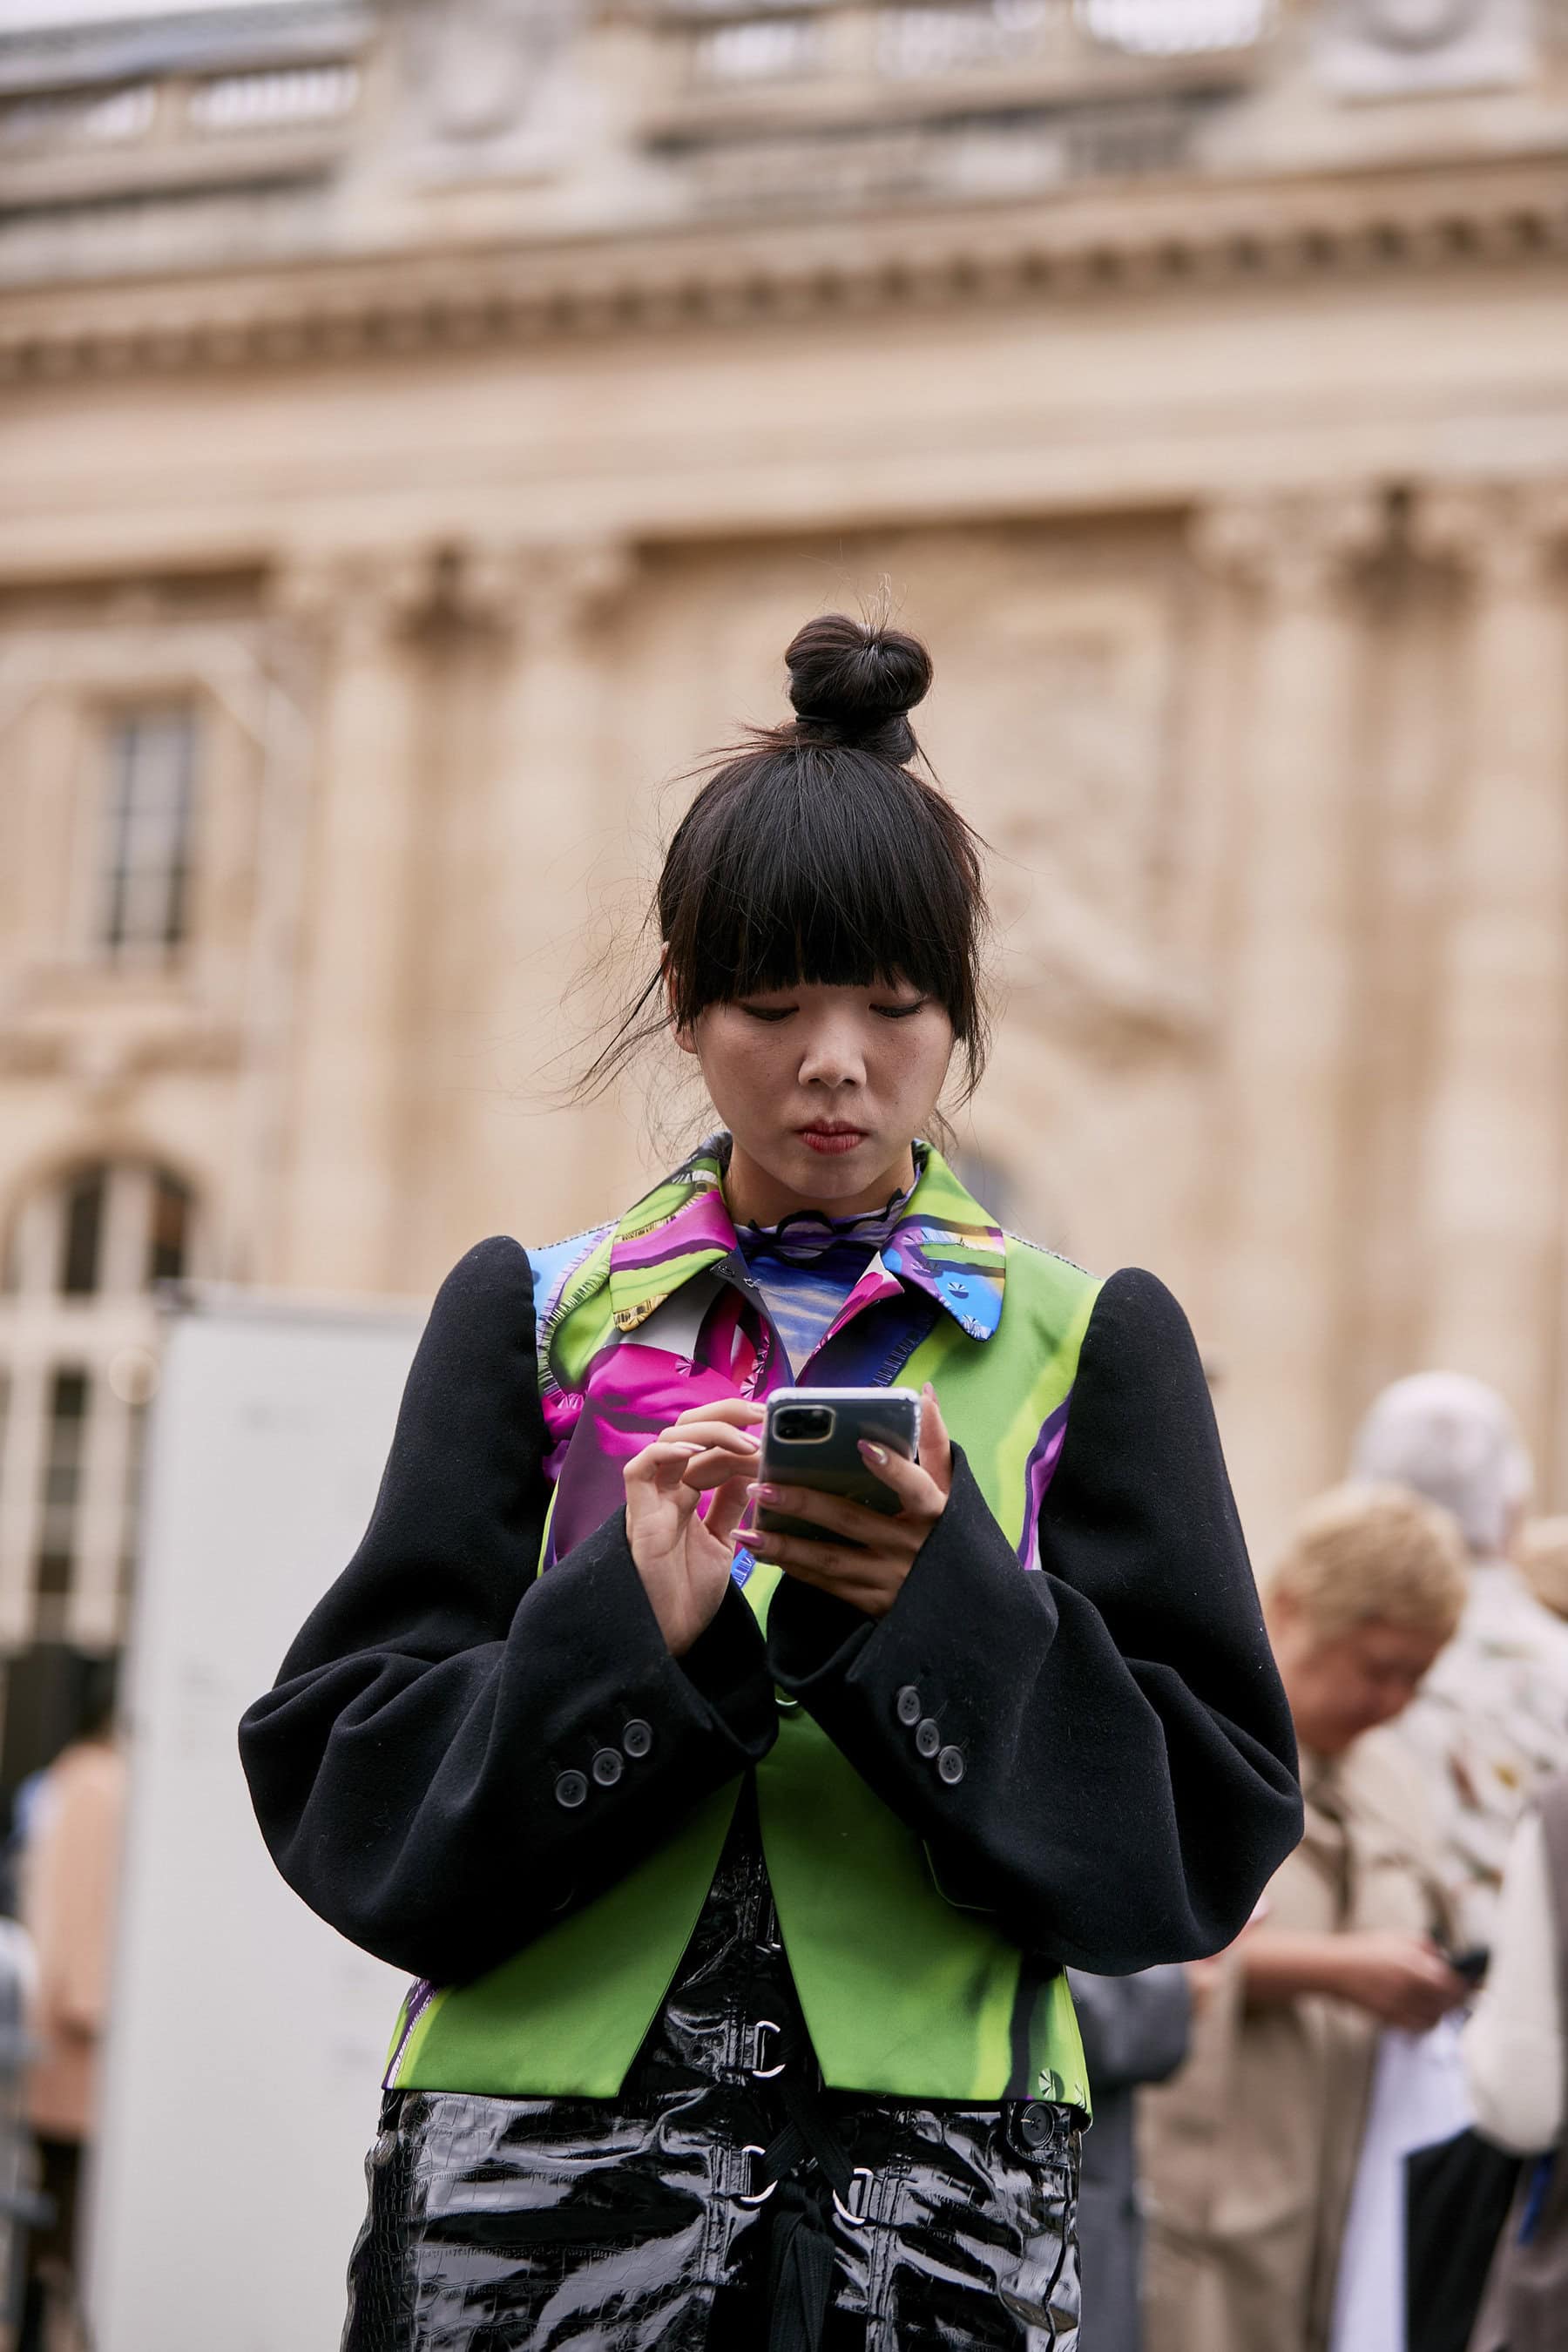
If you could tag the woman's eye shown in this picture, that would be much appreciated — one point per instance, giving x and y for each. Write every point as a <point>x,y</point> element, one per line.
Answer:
<point>768,1011</point>
<point>901,1012</point>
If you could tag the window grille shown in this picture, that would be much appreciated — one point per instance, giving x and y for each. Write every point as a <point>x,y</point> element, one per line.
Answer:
<point>77,1367</point>
<point>143,911</point>
<point>65,1454</point>
<point>259,101</point>
<point>83,1223</point>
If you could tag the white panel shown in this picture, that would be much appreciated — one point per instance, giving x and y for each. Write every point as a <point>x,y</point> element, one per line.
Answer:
<point>248,2040</point>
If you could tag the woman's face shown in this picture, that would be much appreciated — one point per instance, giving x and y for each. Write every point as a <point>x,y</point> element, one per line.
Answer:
<point>1342,1685</point>
<point>823,1090</point>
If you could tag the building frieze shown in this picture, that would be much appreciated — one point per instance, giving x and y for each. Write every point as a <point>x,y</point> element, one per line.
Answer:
<point>1148,243</point>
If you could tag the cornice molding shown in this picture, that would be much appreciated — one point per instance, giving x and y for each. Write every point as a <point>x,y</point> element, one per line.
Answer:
<point>1154,239</point>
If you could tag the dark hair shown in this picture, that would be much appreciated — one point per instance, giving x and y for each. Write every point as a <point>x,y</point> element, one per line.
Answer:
<point>815,855</point>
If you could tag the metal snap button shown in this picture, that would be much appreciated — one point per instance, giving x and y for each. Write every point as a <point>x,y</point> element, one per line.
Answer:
<point>637,1738</point>
<point>607,1768</point>
<point>908,1703</point>
<point>928,1738</point>
<point>949,1767</point>
<point>571,1790</point>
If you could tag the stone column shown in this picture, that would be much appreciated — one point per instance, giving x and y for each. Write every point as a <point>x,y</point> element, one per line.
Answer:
<point>349,1163</point>
<point>1279,1174</point>
<point>1495,1133</point>
<point>539,1168</point>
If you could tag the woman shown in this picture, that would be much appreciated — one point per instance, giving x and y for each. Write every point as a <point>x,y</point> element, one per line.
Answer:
<point>746,1867</point>
<point>1250,2151</point>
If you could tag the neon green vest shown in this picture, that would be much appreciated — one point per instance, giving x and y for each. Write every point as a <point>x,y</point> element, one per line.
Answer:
<point>903,1992</point>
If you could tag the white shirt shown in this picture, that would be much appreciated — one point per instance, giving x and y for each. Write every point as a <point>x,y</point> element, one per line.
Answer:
<point>1513,2043</point>
<point>1488,1724</point>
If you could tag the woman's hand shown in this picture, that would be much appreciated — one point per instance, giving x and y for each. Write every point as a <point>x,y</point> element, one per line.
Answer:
<point>870,1579</point>
<point>1399,1978</point>
<point>1402,1979</point>
<point>683,1558</point>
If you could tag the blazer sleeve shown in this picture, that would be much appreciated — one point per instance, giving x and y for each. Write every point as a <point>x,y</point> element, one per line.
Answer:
<point>1099,1752</point>
<point>456,1750</point>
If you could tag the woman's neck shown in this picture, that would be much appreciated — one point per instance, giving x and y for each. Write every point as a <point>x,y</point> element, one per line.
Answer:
<point>753,1197</point>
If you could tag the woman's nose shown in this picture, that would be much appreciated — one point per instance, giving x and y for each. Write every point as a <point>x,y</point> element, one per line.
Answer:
<point>833,1058</point>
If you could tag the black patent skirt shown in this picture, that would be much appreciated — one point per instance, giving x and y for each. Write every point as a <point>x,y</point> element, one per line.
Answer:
<point>725,2202</point>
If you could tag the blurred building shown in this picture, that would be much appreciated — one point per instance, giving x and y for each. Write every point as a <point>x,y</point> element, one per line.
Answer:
<point>422,427</point>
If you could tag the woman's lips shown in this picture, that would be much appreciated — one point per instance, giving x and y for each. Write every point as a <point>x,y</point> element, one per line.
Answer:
<point>831,1139</point>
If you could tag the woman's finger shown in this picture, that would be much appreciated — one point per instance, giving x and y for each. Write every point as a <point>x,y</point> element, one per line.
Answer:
<point>836,1513</point>
<point>727,1509</point>
<point>715,1465</point>
<point>738,1411</point>
<point>873,1597</point>
<point>660,1464</point>
<point>836,1566</point>
<point>916,1489</point>
<point>707,1430</point>
<point>936,1446</point>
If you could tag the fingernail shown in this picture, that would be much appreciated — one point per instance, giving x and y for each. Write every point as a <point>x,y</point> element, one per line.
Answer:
<point>873,1453</point>
<point>766,1494</point>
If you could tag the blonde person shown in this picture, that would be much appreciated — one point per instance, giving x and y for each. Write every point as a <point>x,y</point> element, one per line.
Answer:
<point>1491,1725</point>
<point>1250,2151</point>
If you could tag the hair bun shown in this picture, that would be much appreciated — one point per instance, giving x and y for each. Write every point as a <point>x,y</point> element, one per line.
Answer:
<point>855,685</point>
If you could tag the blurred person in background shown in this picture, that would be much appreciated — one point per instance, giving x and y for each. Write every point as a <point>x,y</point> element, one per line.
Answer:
<point>69,1876</point>
<point>1543,1553</point>
<point>1516,2057</point>
<point>1134,2031</point>
<point>693,1829</point>
<point>1491,1724</point>
<point>1250,2151</point>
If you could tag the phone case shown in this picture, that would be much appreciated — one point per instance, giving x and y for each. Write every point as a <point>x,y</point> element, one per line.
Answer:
<point>832,1464</point>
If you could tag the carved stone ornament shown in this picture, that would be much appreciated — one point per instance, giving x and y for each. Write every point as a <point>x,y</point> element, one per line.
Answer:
<point>1507,537</point>
<point>549,590</point>
<point>1394,48</point>
<point>1298,548</point>
<point>485,85</point>
<point>361,598</point>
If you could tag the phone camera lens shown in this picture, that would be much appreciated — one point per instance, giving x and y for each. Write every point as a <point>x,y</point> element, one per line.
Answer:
<point>803,1425</point>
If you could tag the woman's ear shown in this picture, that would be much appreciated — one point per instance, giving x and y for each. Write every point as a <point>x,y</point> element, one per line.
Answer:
<point>683,1032</point>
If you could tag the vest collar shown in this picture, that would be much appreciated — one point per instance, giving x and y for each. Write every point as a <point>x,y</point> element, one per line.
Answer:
<point>944,1245</point>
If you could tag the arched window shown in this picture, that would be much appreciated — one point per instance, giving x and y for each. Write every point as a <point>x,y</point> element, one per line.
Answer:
<point>77,1367</point>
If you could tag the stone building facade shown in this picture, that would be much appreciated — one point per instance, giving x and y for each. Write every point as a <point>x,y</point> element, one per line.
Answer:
<point>422,427</point>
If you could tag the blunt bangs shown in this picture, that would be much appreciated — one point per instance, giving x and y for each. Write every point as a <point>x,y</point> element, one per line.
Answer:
<point>804,863</point>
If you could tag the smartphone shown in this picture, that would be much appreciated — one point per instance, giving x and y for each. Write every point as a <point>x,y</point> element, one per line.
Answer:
<point>1471,1965</point>
<point>812,1438</point>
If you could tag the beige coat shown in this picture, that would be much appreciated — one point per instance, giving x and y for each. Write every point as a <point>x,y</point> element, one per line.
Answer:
<point>1249,2152</point>
<point>69,1885</point>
